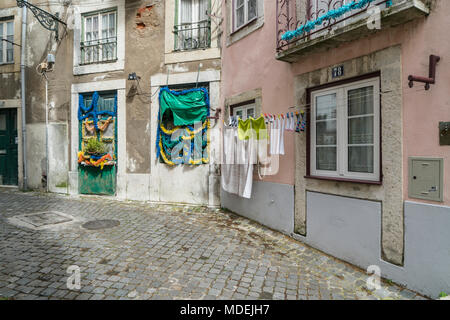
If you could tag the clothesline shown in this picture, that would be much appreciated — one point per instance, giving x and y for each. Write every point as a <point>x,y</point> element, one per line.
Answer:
<point>307,107</point>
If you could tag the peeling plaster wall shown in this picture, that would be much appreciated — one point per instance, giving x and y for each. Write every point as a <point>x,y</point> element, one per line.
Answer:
<point>41,42</point>
<point>145,39</point>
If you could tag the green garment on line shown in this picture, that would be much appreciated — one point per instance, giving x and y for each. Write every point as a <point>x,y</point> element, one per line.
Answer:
<point>187,108</point>
<point>247,127</point>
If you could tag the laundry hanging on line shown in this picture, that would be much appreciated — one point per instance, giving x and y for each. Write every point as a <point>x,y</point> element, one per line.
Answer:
<point>244,145</point>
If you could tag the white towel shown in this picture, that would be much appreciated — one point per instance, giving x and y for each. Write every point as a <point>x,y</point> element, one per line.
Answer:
<point>281,143</point>
<point>230,171</point>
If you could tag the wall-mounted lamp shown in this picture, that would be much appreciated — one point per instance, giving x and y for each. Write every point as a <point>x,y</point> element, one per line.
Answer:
<point>133,76</point>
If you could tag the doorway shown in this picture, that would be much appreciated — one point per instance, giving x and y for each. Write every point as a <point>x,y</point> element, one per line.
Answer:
<point>8,147</point>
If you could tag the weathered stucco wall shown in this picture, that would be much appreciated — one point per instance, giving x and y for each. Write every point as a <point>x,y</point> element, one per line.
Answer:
<point>249,63</point>
<point>145,40</point>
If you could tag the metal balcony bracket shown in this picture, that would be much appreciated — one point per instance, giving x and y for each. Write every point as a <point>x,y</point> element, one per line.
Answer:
<point>431,77</point>
<point>46,19</point>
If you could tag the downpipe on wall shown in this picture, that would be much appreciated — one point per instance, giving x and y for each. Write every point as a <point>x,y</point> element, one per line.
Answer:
<point>22,82</point>
<point>46,133</point>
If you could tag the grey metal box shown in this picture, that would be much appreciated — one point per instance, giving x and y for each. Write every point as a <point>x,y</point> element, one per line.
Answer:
<point>426,178</point>
<point>444,133</point>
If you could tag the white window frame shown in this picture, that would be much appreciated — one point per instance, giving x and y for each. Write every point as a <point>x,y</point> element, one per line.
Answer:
<point>195,19</point>
<point>342,132</point>
<point>5,44</point>
<point>246,20</point>
<point>100,38</point>
<point>244,109</point>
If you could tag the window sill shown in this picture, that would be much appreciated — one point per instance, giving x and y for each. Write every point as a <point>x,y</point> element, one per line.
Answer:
<point>245,30</point>
<point>6,63</point>
<point>97,63</point>
<point>191,55</point>
<point>379,183</point>
<point>190,50</point>
<point>243,26</point>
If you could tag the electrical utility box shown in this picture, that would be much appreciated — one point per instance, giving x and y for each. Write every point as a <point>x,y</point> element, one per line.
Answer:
<point>426,178</point>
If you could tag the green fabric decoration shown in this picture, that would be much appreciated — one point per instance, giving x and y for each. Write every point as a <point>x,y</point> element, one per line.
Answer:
<point>187,108</point>
<point>182,134</point>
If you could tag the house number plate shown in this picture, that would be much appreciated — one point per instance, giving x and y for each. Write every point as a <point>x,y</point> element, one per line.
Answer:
<point>337,72</point>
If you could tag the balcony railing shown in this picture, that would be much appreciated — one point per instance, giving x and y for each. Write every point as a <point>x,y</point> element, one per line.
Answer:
<point>191,36</point>
<point>97,51</point>
<point>291,14</point>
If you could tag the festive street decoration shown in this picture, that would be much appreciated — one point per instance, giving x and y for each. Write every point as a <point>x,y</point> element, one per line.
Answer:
<point>92,161</point>
<point>188,141</point>
<point>331,14</point>
<point>93,126</point>
<point>91,110</point>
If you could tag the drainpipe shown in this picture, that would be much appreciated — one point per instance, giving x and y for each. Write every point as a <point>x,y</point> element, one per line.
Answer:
<point>47,178</point>
<point>22,82</point>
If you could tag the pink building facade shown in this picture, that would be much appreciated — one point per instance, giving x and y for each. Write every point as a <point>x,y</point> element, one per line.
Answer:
<point>368,181</point>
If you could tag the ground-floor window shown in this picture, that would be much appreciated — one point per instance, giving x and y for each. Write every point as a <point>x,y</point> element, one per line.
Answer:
<point>243,110</point>
<point>345,131</point>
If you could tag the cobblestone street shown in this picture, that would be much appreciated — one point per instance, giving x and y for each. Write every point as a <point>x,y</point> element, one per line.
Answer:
<point>163,252</point>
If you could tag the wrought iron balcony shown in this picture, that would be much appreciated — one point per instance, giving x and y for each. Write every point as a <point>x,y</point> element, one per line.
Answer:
<point>191,36</point>
<point>98,51</point>
<point>331,31</point>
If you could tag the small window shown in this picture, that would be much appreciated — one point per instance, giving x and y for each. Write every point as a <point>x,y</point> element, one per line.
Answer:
<point>193,30</point>
<point>99,37</point>
<point>245,11</point>
<point>244,111</point>
<point>345,131</point>
<point>6,41</point>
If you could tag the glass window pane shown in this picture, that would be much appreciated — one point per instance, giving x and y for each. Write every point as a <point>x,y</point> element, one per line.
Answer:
<point>112,25</point>
<point>360,101</point>
<point>10,28</point>
<point>250,113</point>
<point>2,121</point>
<point>10,53</point>
<point>239,17</point>
<point>326,133</point>
<point>360,130</point>
<point>238,113</point>
<point>239,3</point>
<point>251,9</point>
<point>9,45</point>
<point>326,107</point>
<point>204,8</point>
<point>88,25</point>
<point>360,159</point>
<point>326,158</point>
<point>1,42</point>
<point>105,26</point>
<point>94,28</point>
<point>186,11</point>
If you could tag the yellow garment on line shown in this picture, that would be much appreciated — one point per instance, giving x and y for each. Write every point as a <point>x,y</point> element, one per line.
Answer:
<point>251,126</point>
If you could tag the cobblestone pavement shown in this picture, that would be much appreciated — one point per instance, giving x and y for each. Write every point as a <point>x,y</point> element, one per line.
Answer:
<point>164,252</point>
